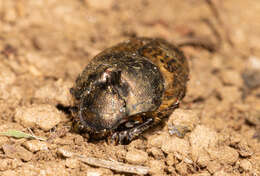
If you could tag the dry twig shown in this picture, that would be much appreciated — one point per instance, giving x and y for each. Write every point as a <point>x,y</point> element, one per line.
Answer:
<point>113,165</point>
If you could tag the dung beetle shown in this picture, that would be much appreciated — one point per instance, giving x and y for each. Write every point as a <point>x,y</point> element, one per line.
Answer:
<point>129,88</point>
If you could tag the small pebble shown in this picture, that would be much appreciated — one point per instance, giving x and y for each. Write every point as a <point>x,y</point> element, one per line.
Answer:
<point>201,139</point>
<point>35,145</point>
<point>156,167</point>
<point>245,165</point>
<point>71,163</point>
<point>6,164</point>
<point>14,151</point>
<point>182,168</point>
<point>52,168</point>
<point>174,144</point>
<point>203,159</point>
<point>44,116</point>
<point>94,173</point>
<point>157,153</point>
<point>225,155</point>
<point>213,166</point>
<point>155,140</point>
<point>62,141</point>
<point>136,156</point>
<point>182,121</point>
<point>64,152</point>
<point>171,160</point>
<point>244,150</point>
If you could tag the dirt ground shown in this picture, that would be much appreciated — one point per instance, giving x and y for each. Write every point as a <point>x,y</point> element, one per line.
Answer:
<point>45,44</point>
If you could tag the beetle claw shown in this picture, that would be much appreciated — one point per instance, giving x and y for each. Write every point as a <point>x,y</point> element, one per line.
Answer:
<point>113,139</point>
<point>120,138</point>
<point>126,136</point>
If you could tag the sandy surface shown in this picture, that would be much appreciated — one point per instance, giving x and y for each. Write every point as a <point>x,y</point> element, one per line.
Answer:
<point>45,44</point>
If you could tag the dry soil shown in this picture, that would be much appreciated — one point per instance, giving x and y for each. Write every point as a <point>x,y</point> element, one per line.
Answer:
<point>45,44</point>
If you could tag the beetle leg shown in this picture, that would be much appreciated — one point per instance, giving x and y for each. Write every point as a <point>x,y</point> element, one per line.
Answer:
<point>126,136</point>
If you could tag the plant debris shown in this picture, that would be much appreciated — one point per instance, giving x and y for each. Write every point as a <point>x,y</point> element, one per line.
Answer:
<point>20,134</point>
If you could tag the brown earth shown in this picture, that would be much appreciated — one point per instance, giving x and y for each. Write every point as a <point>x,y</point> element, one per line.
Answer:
<point>45,44</point>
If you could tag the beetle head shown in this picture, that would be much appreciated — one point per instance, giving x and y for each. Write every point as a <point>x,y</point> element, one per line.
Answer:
<point>101,107</point>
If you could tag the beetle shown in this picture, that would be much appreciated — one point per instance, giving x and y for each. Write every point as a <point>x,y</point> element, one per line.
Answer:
<point>129,88</point>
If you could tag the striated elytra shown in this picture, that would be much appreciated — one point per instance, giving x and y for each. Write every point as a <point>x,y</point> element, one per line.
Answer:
<point>129,88</point>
